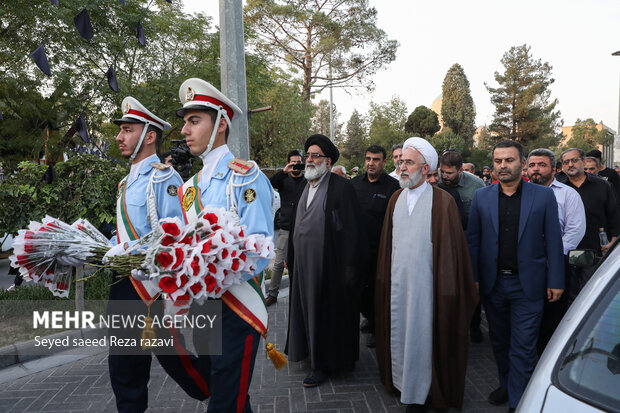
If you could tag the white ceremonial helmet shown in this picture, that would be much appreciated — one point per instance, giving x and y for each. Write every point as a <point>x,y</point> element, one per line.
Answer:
<point>136,112</point>
<point>198,94</point>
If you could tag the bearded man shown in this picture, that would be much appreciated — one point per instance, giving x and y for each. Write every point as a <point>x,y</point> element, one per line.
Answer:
<point>425,292</point>
<point>326,254</point>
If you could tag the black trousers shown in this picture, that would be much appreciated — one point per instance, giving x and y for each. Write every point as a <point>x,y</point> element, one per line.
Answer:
<point>130,373</point>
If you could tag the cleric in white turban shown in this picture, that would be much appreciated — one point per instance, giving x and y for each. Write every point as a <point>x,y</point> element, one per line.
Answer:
<point>425,292</point>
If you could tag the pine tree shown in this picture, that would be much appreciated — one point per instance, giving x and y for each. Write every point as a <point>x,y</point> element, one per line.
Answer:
<point>422,122</point>
<point>457,106</point>
<point>356,137</point>
<point>524,110</point>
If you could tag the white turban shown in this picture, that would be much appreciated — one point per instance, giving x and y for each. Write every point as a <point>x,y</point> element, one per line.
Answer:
<point>425,148</point>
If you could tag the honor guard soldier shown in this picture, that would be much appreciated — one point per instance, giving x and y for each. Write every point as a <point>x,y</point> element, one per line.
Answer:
<point>147,194</point>
<point>239,186</point>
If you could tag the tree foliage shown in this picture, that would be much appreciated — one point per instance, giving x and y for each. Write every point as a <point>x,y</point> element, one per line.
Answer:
<point>85,187</point>
<point>274,133</point>
<point>422,122</point>
<point>321,122</point>
<point>524,110</point>
<point>387,122</point>
<point>356,137</point>
<point>457,107</point>
<point>586,136</point>
<point>311,36</point>
<point>447,139</point>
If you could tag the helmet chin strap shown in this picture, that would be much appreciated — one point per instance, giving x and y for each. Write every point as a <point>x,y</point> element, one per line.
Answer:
<point>212,139</point>
<point>135,151</point>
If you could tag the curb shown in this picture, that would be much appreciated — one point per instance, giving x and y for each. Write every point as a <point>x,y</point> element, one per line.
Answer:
<point>29,350</point>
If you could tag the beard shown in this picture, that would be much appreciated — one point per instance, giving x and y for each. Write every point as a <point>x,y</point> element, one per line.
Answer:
<point>540,179</point>
<point>408,181</point>
<point>509,175</point>
<point>312,173</point>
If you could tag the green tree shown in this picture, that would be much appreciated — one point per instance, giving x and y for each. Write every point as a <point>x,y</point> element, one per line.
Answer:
<point>313,38</point>
<point>85,187</point>
<point>422,122</point>
<point>457,107</point>
<point>447,139</point>
<point>387,122</point>
<point>486,141</point>
<point>586,136</point>
<point>274,133</point>
<point>321,122</point>
<point>524,110</point>
<point>357,140</point>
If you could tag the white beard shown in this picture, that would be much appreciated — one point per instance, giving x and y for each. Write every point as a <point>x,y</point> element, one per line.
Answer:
<point>411,180</point>
<point>315,173</point>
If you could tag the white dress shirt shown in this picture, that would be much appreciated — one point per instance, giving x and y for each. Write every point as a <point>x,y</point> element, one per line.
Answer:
<point>572,215</point>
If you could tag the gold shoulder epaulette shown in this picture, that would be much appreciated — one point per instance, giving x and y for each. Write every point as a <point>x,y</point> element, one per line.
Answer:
<point>240,166</point>
<point>160,166</point>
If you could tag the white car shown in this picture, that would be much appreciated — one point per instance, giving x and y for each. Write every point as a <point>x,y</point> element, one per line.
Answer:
<point>580,368</point>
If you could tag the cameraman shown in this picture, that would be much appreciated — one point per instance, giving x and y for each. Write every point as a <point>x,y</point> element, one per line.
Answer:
<point>287,182</point>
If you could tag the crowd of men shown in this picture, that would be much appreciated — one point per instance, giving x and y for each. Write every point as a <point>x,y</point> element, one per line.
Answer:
<point>416,252</point>
<point>422,250</point>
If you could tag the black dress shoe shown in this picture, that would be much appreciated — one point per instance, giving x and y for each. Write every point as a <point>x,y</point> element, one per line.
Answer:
<point>271,300</point>
<point>416,408</point>
<point>475,335</point>
<point>315,378</point>
<point>498,396</point>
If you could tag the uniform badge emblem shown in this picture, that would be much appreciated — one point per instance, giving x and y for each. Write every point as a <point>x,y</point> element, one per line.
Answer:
<point>126,108</point>
<point>188,198</point>
<point>189,95</point>
<point>249,195</point>
<point>172,190</point>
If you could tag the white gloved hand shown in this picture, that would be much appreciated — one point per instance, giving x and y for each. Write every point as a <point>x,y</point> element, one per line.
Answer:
<point>118,249</point>
<point>69,261</point>
<point>140,275</point>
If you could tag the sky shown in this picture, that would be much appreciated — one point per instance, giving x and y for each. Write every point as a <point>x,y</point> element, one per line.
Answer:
<point>576,37</point>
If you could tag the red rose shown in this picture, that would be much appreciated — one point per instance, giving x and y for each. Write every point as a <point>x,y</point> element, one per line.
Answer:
<point>212,268</point>
<point>224,253</point>
<point>242,257</point>
<point>182,299</point>
<point>28,247</point>
<point>164,259</point>
<point>167,240</point>
<point>211,217</point>
<point>171,228</point>
<point>183,279</point>
<point>179,255</point>
<point>211,283</point>
<point>186,240</point>
<point>206,247</point>
<point>62,286</point>
<point>235,265</point>
<point>196,288</point>
<point>28,235</point>
<point>241,235</point>
<point>195,266</point>
<point>168,284</point>
<point>217,290</point>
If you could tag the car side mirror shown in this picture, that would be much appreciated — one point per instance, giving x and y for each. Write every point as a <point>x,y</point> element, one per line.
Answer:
<point>581,258</point>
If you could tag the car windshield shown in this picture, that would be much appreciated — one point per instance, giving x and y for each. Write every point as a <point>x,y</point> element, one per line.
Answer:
<point>590,366</point>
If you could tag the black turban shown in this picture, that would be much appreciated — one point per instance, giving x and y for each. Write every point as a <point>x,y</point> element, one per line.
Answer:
<point>326,145</point>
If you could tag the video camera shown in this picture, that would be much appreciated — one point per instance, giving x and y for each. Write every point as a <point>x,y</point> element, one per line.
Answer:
<point>181,158</point>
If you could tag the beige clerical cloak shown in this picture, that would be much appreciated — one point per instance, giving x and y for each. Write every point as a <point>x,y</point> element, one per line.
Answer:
<point>454,300</point>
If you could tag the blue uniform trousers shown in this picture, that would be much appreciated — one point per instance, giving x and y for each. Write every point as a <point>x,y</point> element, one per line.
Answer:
<point>514,323</point>
<point>229,375</point>
<point>130,373</point>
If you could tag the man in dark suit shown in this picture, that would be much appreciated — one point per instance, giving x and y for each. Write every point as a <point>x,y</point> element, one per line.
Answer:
<point>516,252</point>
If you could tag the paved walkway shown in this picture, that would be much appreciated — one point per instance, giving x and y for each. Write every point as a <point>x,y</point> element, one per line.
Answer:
<point>63,383</point>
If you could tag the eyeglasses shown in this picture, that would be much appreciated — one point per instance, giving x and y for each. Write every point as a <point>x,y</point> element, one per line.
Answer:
<point>567,161</point>
<point>314,155</point>
<point>408,162</point>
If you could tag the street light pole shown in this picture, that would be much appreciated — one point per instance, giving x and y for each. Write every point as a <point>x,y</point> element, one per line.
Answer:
<point>617,137</point>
